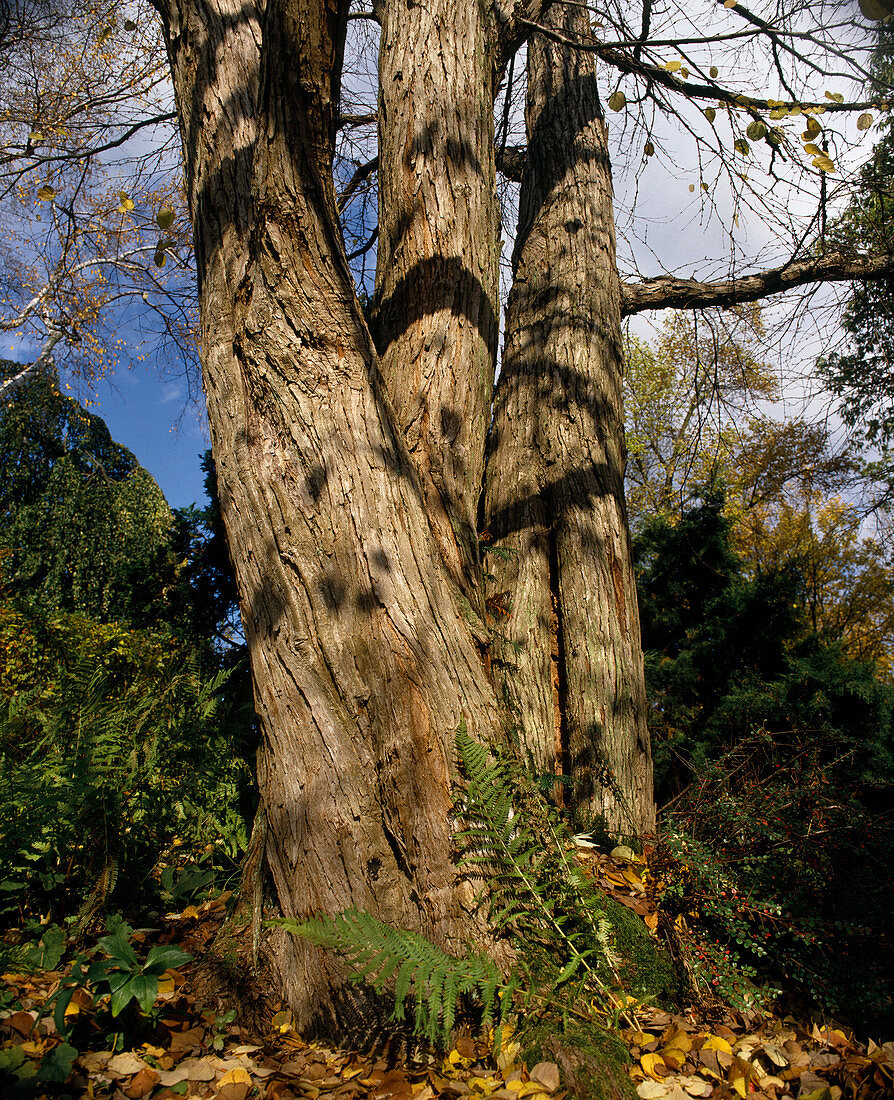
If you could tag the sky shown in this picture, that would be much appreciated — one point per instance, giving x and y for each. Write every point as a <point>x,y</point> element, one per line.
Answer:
<point>167,433</point>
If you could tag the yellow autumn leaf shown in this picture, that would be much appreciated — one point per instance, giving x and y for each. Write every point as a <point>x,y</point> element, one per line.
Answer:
<point>651,1063</point>
<point>710,114</point>
<point>617,100</point>
<point>756,130</point>
<point>237,1076</point>
<point>713,72</point>
<point>824,163</point>
<point>864,121</point>
<point>836,97</point>
<point>530,1088</point>
<point>814,150</point>
<point>717,1042</point>
<point>46,193</point>
<point>672,66</point>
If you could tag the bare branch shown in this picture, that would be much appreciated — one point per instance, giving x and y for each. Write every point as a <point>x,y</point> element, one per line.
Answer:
<point>666,291</point>
<point>360,176</point>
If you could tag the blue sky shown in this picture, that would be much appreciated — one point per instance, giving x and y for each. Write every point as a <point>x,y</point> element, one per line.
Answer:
<point>167,432</point>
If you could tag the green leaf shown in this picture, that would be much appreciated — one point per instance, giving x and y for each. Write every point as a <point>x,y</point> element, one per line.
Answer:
<point>617,101</point>
<point>63,1000</point>
<point>145,988</point>
<point>119,950</point>
<point>710,114</point>
<point>123,995</point>
<point>161,959</point>
<point>58,1064</point>
<point>756,130</point>
<point>164,219</point>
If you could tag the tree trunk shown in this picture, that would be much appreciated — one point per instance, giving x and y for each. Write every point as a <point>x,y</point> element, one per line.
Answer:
<point>362,663</point>
<point>554,507</point>
<point>436,302</point>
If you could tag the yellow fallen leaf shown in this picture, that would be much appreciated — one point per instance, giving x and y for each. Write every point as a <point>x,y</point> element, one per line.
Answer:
<point>717,1042</point>
<point>651,1063</point>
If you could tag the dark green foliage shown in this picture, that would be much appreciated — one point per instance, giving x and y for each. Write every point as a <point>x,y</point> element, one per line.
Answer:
<point>726,653</point>
<point>782,839</point>
<point>127,756</point>
<point>86,528</point>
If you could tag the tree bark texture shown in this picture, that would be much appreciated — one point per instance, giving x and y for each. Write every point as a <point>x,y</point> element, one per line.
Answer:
<point>569,647</point>
<point>435,309</point>
<point>363,665</point>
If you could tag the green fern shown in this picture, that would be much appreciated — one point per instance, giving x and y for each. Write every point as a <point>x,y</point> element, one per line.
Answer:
<point>536,893</point>
<point>408,963</point>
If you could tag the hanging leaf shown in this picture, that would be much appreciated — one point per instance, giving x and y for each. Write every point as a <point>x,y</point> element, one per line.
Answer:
<point>129,25</point>
<point>756,130</point>
<point>729,3</point>
<point>814,150</point>
<point>46,193</point>
<point>104,34</point>
<point>649,149</point>
<point>776,136</point>
<point>714,72</point>
<point>159,258</point>
<point>836,97</point>
<point>617,101</point>
<point>742,146</point>
<point>691,186</point>
<point>813,127</point>
<point>779,112</point>
<point>864,121</point>
<point>874,10</point>
<point>164,219</point>
<point>824,163</point>
<point>710,114</point>
<point>672,66</point>
<point>36,135</point>
<point>684,72</point>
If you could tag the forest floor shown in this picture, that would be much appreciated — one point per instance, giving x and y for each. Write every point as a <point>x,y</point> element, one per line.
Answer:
<point>189,1046</point>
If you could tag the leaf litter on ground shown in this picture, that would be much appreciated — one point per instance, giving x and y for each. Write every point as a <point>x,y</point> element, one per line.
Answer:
<point>765,1056</point>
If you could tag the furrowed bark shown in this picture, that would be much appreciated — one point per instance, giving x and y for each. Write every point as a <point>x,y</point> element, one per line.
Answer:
<point>363,667</point>
<point>435,305</point>
<point>554,503</point>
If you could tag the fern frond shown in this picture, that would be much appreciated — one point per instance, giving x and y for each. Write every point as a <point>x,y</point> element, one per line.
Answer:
<point>407,962</point>
<point>535,890</point>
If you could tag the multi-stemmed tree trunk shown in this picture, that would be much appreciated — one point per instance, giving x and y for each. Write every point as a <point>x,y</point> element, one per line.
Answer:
<point>569,649</point>
<point>350,469</point>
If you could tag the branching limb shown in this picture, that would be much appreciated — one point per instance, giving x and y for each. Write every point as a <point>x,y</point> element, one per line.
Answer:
<point>666,291</point>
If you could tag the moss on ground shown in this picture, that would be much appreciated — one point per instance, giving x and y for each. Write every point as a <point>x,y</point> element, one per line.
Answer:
<point>592,1061</point>
<point>646,970</point>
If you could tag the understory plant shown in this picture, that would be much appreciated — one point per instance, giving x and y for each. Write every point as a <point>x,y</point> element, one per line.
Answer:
<point>115,754</point>
<point>777,860</point>
<point>513,844</point>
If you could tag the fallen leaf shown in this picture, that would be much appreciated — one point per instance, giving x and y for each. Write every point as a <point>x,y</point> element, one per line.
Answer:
<point>142,1083</point>
<point>547,1073</point>
<point>123,1065</point>
<point>234,1085</point>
